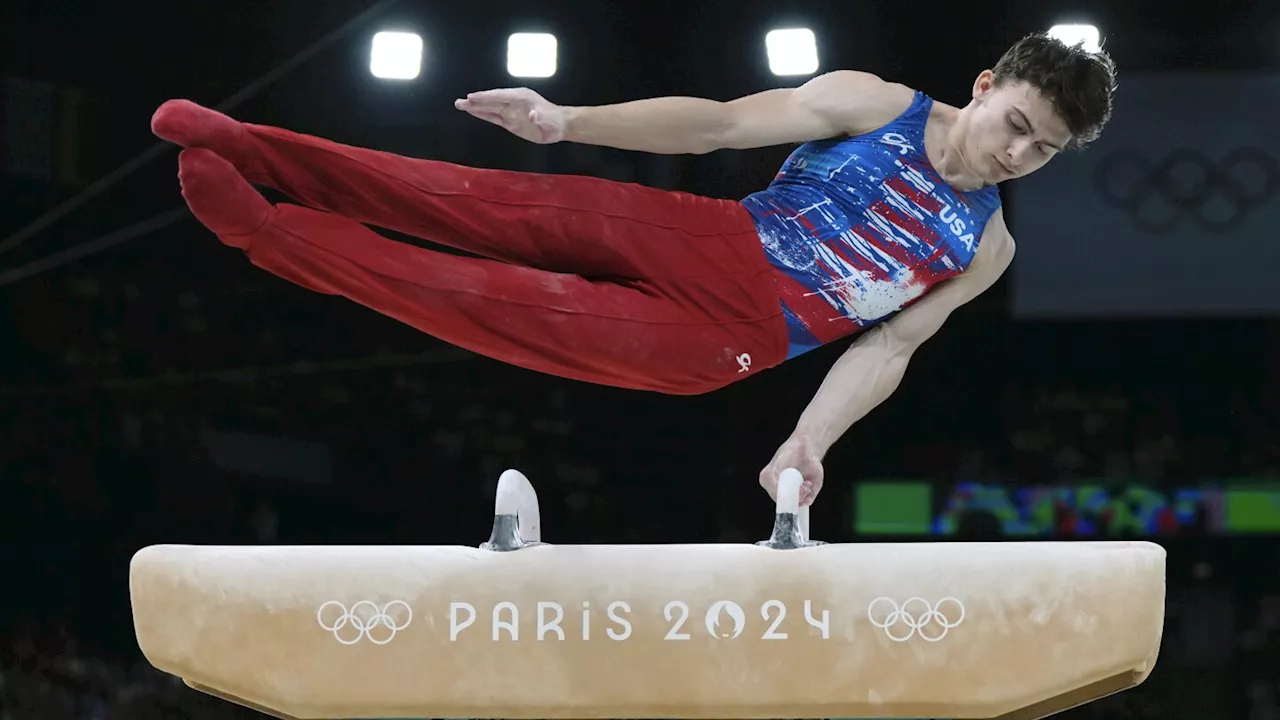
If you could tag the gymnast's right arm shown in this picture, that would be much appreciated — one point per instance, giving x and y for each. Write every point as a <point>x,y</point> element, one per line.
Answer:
<point>874,365</point>
<point>830,105</point>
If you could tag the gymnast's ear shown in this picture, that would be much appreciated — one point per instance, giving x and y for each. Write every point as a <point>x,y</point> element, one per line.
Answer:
<point>984,85</point>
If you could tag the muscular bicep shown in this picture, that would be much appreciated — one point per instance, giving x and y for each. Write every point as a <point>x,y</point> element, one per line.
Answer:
<point>837,103</point>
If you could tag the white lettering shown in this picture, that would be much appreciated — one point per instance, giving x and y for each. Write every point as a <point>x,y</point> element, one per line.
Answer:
<point>716,611</point>
<point>554,625</point>
<point>454,627</point>
<point>684,615</point>
<point>723,620</point>
<point>511,625</point>
<point>626,624</point>
<point>824,625</point>
<point>772,633</point>
<point>958,226</point>
<point>899,142</point>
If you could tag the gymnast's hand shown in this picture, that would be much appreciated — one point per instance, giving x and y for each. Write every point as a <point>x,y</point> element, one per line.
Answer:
<point>521,111</point>
<point>798,453</point>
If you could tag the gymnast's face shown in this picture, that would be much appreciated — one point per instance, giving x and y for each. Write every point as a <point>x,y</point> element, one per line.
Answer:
<point>1011,131</point>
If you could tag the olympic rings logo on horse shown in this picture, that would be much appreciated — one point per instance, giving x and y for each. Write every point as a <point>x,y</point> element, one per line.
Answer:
<point>901,623</point>
<point>365,618</point>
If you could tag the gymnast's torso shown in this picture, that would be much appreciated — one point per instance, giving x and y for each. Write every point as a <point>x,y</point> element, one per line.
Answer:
<point>857,228</point>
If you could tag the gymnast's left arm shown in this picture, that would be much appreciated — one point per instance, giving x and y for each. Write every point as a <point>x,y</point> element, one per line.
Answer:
<point>871,369</point>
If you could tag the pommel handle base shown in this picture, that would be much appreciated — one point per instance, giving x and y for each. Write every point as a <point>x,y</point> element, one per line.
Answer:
<point>790,521</point>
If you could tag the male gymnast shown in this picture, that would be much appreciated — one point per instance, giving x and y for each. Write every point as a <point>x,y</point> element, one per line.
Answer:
<point>882,222</point>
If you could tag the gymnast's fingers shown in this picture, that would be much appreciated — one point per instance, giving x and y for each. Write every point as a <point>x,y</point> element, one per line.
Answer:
<point>813,473</point>
<point>485,106</point>
<point>500,96</point>
<point>484,114</point>
<point>809,493</point>
<point>495,118</point>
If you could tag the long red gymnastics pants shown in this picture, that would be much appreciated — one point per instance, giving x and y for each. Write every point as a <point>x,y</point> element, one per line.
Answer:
<point>611,283</point>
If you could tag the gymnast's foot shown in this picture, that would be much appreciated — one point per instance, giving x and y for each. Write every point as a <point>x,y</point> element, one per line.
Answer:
<point>185,123</point>
<point>221,198</point>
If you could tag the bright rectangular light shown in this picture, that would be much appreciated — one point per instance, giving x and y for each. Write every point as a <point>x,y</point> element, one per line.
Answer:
<point>1087,36</point>
<point>396,56</point>
<point>531,55</point>
<point>792,51</point>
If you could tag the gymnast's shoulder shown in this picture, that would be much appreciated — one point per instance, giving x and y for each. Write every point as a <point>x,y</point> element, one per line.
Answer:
<point>834,104</point>
<point>994,254</point>
<point>856,101</point>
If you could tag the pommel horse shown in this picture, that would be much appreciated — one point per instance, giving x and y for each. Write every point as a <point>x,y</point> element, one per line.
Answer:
<point>787,627</point>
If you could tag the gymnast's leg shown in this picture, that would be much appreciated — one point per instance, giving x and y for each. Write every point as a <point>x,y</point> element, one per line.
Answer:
<point>567,223</point>
<point>629,336</point>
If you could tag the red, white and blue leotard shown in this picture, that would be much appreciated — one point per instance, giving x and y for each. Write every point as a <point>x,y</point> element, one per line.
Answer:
<point>860,227</point>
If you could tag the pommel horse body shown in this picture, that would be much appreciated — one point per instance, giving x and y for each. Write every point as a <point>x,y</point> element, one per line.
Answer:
<point>787,627</point>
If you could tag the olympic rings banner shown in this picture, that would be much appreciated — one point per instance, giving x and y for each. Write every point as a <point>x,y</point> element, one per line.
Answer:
<point>1172,212</point>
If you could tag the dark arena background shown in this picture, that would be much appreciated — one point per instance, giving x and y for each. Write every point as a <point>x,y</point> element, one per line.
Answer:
<point>1121,382</point>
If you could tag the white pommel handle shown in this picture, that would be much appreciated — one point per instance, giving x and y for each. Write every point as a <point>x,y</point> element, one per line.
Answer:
<point>516,496</point>
<point>788,501</point>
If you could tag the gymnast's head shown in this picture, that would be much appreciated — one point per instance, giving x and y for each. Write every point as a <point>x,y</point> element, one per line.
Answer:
<point>1042,98</point>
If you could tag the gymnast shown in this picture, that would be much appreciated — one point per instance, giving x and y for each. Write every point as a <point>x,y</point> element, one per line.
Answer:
<point>883,221</point>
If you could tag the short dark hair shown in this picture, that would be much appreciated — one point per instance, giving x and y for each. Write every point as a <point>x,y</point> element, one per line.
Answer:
<point>1078,83</point>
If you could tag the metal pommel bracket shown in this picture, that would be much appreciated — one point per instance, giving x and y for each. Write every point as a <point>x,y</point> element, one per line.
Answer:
<point>517,524</point>
<point>790,521</point>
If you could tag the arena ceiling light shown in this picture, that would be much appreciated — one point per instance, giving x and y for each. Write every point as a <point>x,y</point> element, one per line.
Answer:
<point>531,55</point>
<point>396,56</point>
<point>792,51</point>
<point>1086,36</point>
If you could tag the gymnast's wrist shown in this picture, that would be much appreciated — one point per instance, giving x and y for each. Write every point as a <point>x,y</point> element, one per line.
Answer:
<point>812,439</point>
<point>573,122</point>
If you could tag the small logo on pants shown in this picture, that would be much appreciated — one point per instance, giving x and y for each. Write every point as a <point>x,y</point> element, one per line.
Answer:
<point>744,363</point>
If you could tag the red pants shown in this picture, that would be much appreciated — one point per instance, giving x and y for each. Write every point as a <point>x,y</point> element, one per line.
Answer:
<point>605,282</point>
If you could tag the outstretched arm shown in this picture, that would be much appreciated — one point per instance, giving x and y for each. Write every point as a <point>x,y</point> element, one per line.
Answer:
<point>829,105</point>
<point>871,369</point>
